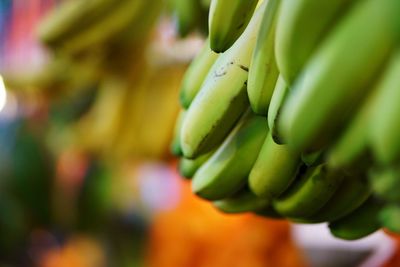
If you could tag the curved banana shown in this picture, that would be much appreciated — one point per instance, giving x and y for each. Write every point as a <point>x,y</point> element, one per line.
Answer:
<point>243,201</point>
<point>175,148</point>
<point>274,170</point>
<point>390,217</point>
<point>309,193</point>
<point>227,20</point>
<point>72,17</point>
<point>263,71</point>
<point>362,132</point>
<point>115,22</point>
<point>279,95</point>
<point>226,171</point>
<point>313,158</point>
<point>360,223</point>
<point>386,183</point>
<point>301,26</point>
<point>337,77</point>
<point>196,74</point>
<point>385,129</point>
<point>188,15</point>
<point>188,167</point>
<point>351,194</point>
<point>222,98</point>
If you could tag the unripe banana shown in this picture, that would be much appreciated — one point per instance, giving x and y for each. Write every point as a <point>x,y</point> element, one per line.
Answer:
<point>386,183</point>
<point>360,223</point>
<point>263,72</point>
<point>121,17</point>
<point>227,20</point>
<point>175,148</point>
<point>313,158</point>
<point>385,128</point>
<point>223,96</point>
<point>188,15</point>
<point>196,74</point>
<point>351,194</point>
<point>279,95</point>
<point>243,201</point>
<point>226,171</point>
<point>301,26</point>
<point>367,124</point>
<point>72,17</point>
<point>390,217</point>
<point>188,167</point>
<point>309,193</point>
<point>337,77</point>
<point>274,170</point>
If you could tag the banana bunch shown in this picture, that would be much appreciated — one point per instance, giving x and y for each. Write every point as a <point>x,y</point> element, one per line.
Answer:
<point>289,111</point>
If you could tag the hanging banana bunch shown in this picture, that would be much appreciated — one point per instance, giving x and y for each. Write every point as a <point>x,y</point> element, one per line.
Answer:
<point>290,110</point>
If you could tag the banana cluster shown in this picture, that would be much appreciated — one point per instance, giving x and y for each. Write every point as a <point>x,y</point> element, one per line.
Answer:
<point>290,110</point>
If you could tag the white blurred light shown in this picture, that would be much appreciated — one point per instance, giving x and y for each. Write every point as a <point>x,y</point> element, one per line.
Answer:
<point>3,94</point>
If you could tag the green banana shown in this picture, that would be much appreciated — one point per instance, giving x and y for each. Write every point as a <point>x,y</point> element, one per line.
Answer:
<point>274,170</point>
<point>227,20</point>
<point>351,194</point>
<point>385,129</point>
<point>263,71</point>
<point>226,171</point>
<point>390,217</point>
<point>175,148</point>
<point>279,95</point>
<point>355,142</point>
<point>386,183</point>
<point>119,19</point>
<point>188,14</point>
<point>71,18</point>
<point>313,158</point>
<point>188,167</point>
<point>309,193</point>
<point>268,212</point>
<point>196,74</point>
<point>337,77</point>
<point>360,223</point>
<point>301,26</point>
<point>243,201</point>
<point>222,98</point>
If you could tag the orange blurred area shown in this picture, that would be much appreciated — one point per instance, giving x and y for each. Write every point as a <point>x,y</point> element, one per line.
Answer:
<point>196,234</point>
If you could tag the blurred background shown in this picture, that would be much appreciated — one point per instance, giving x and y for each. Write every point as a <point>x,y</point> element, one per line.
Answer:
<point>86,176</point>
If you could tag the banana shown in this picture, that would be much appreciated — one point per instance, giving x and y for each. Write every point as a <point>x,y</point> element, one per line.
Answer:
<point>313,158</point>
<point>188,167</point>
<point>386,183</point>
<point>175,148</point>
<point>227,20</point>
<point>364,128</point>
<point>385,130</point>
<point>196,74</point>
<point>309,193</point>
<point>243,201</point>
<point>301,26</point>
<point>360,223</point>
<point>263,71</point>
<point>226,171</point>
<point>390,217</point>
<point>351,194</point>
<point>268,212</point>
<point>279,95</point>
<point>188,15</point>
<point>222,98</point>
<point>72,17</point>
<point>337,77</point>
<point>274,170</point>
<point>116,21</point>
